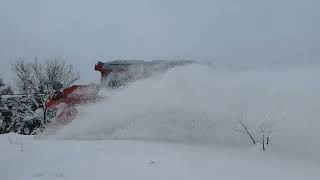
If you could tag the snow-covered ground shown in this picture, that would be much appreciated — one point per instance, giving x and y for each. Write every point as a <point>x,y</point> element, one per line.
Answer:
<point>180,125</point>
<point>27,159</point>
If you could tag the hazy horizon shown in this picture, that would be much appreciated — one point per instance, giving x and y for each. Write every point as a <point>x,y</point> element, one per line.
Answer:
<point>235,33</point>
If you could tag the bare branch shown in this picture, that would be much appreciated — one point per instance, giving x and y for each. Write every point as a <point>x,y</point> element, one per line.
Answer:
<point>246,131</point>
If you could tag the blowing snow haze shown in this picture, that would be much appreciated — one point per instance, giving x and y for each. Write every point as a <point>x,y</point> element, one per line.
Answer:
<point>232,32</point>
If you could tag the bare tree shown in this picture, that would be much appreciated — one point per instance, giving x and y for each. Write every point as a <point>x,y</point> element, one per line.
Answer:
<point>23,72</point>
<point>57,70</point>
<point>42,77</point>
<point>261,134</point>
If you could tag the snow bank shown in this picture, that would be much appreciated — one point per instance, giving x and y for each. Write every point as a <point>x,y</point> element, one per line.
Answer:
<point>199,104</point>
<point>109,159</point>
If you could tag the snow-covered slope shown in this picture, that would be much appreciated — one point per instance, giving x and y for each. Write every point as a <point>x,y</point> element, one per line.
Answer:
<point>121,159</point>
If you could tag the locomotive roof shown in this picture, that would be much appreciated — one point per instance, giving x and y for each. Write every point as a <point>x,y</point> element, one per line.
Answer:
<point>138,62</point>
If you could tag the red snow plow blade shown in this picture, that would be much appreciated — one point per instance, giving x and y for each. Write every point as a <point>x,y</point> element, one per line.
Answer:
<point>71,97</point>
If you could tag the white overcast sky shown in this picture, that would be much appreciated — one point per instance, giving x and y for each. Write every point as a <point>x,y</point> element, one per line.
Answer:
<point>233,31</point>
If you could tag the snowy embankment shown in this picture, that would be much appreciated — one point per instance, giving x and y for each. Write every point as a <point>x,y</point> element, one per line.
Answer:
<point>27,158</point>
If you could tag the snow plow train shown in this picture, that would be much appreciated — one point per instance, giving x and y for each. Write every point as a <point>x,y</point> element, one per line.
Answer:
<point>114,74</point>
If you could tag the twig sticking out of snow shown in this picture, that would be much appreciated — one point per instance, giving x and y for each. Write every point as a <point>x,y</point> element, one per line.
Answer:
<point>21,146</point>
<point>10,138</point>
<point>263,137</point>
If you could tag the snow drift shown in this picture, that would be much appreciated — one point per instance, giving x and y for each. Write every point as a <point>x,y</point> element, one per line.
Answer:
<point>200,104</point>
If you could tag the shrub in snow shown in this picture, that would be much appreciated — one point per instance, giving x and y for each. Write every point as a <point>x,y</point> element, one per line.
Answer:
<point>22,114</point>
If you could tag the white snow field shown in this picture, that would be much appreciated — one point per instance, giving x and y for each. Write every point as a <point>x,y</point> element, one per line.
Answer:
<point>122,159</point>
<point>179,125</point>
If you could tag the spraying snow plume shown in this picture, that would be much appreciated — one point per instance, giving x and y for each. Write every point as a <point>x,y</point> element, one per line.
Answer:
<point>199,104</point>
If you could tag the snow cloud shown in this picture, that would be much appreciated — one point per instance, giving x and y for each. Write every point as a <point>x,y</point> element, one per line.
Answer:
<point>198,104</point>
